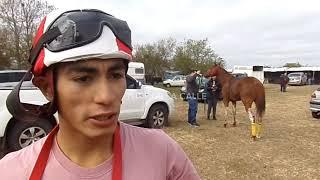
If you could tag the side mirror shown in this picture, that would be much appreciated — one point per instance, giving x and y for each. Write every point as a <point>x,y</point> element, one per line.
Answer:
<point>139,84</point>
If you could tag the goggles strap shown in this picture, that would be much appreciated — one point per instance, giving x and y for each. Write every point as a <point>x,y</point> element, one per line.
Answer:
<point>47,37</point>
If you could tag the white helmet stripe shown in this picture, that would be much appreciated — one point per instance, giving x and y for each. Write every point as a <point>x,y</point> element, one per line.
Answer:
<point>104,45</point>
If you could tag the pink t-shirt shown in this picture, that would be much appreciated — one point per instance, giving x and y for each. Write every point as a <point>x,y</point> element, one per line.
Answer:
<point>148,154</point>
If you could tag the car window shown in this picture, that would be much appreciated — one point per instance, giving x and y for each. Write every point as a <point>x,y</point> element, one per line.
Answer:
<point>139,70</point>
<point>294,75</point>
<point>14,77</point>
<point>131,83</point>
<point>4,77</point>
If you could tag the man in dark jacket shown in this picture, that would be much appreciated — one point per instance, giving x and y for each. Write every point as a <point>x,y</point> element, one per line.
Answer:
<point>212,92</point>
<point>192,94</point>
<point>283,82</point>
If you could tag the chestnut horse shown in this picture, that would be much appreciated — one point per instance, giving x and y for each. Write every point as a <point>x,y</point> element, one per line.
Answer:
<point>247,90</point>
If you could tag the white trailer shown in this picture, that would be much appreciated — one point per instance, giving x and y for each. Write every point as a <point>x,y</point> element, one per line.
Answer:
<point>251,71</point>
<point>137,71</point>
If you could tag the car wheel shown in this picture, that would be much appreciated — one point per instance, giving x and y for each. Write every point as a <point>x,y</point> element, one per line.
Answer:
<point>157,116</point>
<point>21,134</point>
<point>168,85</point>
<point>316,115</point>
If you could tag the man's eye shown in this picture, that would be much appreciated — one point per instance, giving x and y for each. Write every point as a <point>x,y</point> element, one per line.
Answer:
<point>117,75</point>
<point>83,79</point>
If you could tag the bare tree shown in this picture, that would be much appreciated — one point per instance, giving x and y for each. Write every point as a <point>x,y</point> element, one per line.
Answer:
<point>21,17</point>
<point>4,54</point>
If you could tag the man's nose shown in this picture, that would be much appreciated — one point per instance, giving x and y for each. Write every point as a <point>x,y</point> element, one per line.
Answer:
<point>103,93</point>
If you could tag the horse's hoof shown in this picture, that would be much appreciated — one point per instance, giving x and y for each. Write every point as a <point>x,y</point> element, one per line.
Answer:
<point>254,138</point>
<point>234,124</point>
<point>225,125</point>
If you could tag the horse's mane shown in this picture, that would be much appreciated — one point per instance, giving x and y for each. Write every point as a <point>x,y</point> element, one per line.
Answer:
<point>222,69</point>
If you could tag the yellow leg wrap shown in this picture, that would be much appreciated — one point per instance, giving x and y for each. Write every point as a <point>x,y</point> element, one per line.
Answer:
<point>258,130</point>
<point>253,129</point>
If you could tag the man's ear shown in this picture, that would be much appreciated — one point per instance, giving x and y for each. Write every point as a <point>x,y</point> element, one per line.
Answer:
<point>43,83</point>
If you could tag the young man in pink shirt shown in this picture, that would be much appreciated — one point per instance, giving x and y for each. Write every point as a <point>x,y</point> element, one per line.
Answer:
<point>79,60</point>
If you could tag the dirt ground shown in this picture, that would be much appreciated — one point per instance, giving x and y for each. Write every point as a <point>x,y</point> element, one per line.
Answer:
<point>289,148</point>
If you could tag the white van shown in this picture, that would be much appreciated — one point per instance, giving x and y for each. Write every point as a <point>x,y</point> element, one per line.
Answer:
<point>136,70</point>
<point>297,78</point>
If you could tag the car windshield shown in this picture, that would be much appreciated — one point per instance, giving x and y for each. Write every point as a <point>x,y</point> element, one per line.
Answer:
<point>294,75</point>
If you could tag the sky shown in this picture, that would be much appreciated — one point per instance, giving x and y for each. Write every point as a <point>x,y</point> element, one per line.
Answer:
<point>243,32</point>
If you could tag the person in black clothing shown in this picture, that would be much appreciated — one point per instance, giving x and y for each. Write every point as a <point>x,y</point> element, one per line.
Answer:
<point>283,82</point>
<point>213,89</point>
<point>192,94</point>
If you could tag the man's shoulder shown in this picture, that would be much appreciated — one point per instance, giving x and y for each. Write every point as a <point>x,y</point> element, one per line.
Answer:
<point>146,135</point>
<point>19,163</point>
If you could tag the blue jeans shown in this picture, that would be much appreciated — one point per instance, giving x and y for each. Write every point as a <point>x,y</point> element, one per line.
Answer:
<point>193,108</point>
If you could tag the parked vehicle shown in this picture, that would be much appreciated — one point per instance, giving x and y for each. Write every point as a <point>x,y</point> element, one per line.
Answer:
<point>250,71</point>
<point>170,74</point>
<point>201,96</point>
<point>141,105</point>
<point>315,104</point>
<point>137,71</point>
<point>239,75</point>
<point>178,80</point>
<point>297,78</point>
<point>10,78</point>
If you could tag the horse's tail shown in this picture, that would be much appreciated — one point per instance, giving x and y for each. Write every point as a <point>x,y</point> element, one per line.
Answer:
<point>260,102</point>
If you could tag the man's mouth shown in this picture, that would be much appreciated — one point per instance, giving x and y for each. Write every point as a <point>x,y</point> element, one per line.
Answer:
<point>104,119</point>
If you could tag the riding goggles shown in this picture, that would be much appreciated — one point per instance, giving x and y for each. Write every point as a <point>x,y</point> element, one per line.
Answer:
<point>77,28</point>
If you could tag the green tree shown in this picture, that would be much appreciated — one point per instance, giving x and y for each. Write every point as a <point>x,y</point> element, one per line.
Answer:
<point>297,64</point>
<point>157,57</point>
<point>195,54</point>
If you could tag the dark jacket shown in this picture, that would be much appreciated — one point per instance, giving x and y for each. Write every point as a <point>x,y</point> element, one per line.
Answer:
<point>192,86</point>
<point>284,79</point>
<point>213,89</point>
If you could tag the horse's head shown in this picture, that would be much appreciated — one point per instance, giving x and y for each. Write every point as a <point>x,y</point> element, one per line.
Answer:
<point>213,71</point>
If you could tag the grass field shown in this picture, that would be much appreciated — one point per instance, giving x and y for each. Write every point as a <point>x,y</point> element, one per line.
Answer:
<point>289,148</point>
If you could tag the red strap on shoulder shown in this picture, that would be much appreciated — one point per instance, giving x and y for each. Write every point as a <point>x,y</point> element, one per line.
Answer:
<point>43,156</point>
<point>117,153</point>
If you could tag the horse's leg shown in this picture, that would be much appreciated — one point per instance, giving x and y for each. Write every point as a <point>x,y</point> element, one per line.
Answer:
<point>247,105</point>
<point>234,110</point>
<point>226,104</point>
<point>259,125</point>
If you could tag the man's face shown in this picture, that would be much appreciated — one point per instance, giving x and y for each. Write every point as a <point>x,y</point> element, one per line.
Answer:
<point>89,96</point>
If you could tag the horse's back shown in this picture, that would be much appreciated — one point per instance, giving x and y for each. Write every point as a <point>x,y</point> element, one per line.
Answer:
<point>248,86</point>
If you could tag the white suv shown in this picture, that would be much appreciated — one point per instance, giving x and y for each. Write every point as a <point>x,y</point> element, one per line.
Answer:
<point>315,104</point>
<point>178,80</point>
<point>141,105</point>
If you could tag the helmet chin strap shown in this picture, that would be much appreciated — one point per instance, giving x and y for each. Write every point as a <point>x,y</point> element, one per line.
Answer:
<point>28,112</point>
